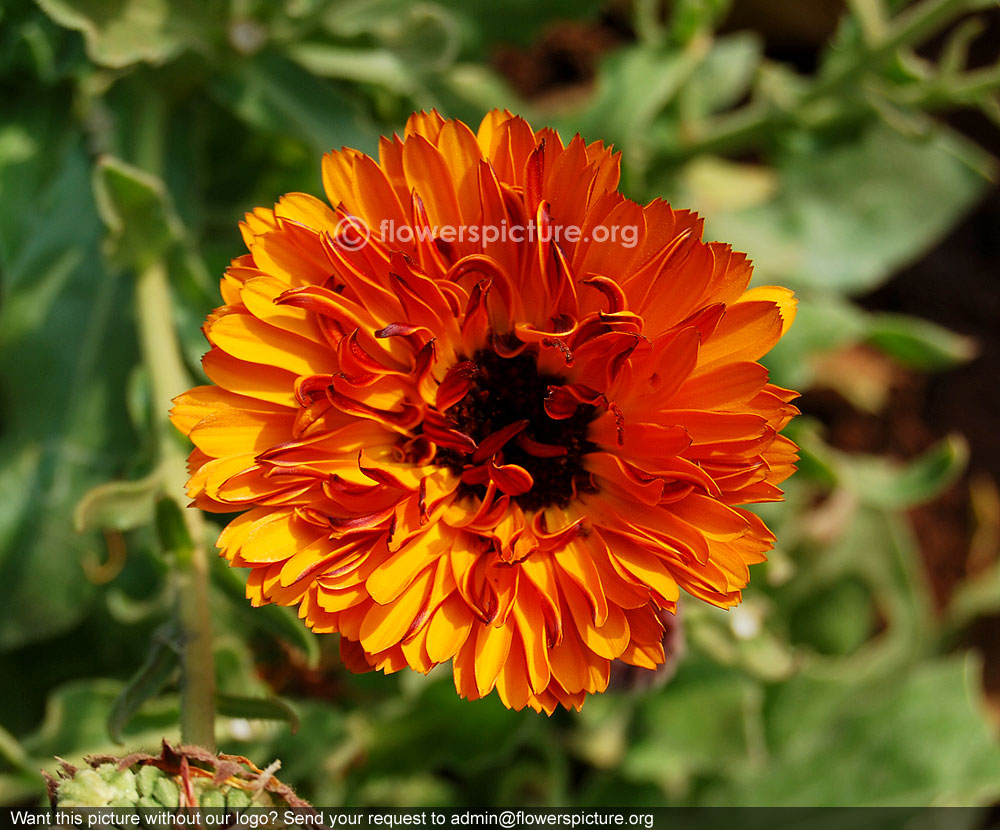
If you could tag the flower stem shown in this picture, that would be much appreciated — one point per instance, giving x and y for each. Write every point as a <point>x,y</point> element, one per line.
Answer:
<point>169,377</point>
<point>162,356</point>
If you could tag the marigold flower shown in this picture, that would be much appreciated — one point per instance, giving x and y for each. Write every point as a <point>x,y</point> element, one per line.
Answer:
<point>504,449</point>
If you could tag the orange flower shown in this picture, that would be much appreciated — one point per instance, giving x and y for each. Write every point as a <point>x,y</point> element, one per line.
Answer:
<point>488,410</point>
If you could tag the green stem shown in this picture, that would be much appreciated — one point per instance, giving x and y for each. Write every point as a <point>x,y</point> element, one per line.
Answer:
<point>968,88</point>
<point>647,23</point>
<point>169,377</point>
<point>162,355</point>
<point>747,126</point>
<point>909,29</point>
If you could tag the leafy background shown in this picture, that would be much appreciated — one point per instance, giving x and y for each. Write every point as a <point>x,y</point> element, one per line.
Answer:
<point>837,146</point>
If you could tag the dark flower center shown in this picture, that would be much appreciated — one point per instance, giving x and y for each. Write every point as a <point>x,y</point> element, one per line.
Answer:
<point>506,391</point>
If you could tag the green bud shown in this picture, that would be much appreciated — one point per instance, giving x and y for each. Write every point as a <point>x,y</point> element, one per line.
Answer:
<point>85,789</point>
<point>166,792</point>
<point>168,781</point>
<point>237,798</point>
<point>147,778</point>
<point>211,797</point>
<point>122,781</point>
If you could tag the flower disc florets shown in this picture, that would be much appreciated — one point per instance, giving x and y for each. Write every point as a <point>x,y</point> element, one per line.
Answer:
<point>503,414</point>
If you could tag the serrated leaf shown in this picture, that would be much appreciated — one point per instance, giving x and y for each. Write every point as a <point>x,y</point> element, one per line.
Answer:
<point>137,213</point>
<point>160,665</point>
<point>919,344</point>
<point>257,708</point>
<point>119,505</point>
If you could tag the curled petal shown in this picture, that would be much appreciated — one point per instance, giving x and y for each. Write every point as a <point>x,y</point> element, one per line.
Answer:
<point>483,408</point>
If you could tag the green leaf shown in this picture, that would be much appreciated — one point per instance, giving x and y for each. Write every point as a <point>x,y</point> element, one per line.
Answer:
<point>848,214</point>
<point>76,720</point>
<point>817,461</point>
<point>121,505</point>
<point>469,89</point>
<point>377,66</point>
<point>175,540</point>
<point>21,788</point>
<point>723,77</point>
<point>136,211</point>
<point>427,39</point>
<point>919,344</point>
<point>75,725</point>
<point>606,790</point>
<point>977,596</point>
<point>125,32</point>
<point>159,667</point>
<point>11,750</point>
<point>319,756</point>
<point>881,483</point>
<point>836,620</point>
<point>689,18</point>
<point>30,42</point>
<point>845,541</point>
<point>914,739</point>
<point>517,22</point>
<point>823,323</point>
<point>67,348</point>
<point>277,620</point>
<point>275,95</point>
<point>257,708</point>
<point>695,725</point>
<point>633,87</point>
<point>437,728</point>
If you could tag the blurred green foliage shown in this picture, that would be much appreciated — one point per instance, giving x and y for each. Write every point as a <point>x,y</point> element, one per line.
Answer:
<point>143,129</point>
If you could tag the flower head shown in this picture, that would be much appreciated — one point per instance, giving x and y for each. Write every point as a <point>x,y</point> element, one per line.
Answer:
<point>486,409</point>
